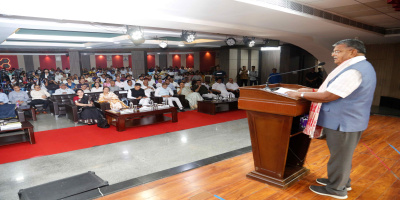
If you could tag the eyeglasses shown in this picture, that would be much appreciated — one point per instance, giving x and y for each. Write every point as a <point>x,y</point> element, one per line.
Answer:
<point>338,51</point>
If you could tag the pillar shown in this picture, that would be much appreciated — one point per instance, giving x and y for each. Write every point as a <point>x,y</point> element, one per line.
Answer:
<point>139,63</point>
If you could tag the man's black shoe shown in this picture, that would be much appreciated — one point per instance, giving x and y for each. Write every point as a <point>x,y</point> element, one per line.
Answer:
<point>321,190</point>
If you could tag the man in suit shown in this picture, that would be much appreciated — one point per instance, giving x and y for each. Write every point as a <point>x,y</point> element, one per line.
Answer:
<point>343,103</point>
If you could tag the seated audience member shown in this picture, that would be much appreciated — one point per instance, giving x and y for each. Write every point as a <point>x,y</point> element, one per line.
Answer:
<point>129,85</point>
<point>7,111</point>
<point>85,89</point>
<point>71,85</point>
<point>46,75</point>
<point>138,93</point>
<point>103,78</point>
<point>119,83</point>
<point>87,113</point>
<point>96,80</point>
<point>66,70</point>
<point>64,90</point>
<point>167,94</point>
<point>107,83</point>
<point>220,88</point>
<point>81,82</point>
<point>232,87</point>
<point>159,83</point>
<point>140,80</point>
<point>129,78</point>
<point>110,97</point>
<point>172,84</point>
<point>196,77</point>
<point>97,87</point>
<point>88,79</point>
<point>57,77</point>
<point>147,88</point>
<point>202,90</point>
<point>39,96</point>
<point>123,70</point>
<point>18,96</point>
<point>113,87</point>
<point>191,96</point>
<point>51,86</point>
<point>206,84</point>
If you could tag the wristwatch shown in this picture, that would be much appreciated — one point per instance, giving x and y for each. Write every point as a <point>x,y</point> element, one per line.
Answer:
<point>302,95</point>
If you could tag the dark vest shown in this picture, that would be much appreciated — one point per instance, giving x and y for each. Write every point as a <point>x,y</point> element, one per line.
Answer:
<point>137,93</point>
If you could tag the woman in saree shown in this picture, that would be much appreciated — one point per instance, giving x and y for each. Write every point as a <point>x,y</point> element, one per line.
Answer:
<point>87,113</point>
<point>191,96</point>
<point>110,97</point>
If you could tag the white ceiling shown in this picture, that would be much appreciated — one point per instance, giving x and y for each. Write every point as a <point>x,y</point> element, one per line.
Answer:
<point>220,18</point>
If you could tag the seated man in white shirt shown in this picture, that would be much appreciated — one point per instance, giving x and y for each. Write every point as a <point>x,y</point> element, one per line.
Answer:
<point>119,83</point>
<point>85,89</point>
<point>123,70</point>
<point>63,90</point>
<point>219,87</point>
<point>147,88</point>
<point>39,96</point>
<point>167,93</point>
<point>129,85</point>
<point>159,83</point>
<point>232,87</point>
<point>138,93</point>
<point>140,80</point>
<point>66,70</point>
<point>58,77</point>
<point>129,78</point>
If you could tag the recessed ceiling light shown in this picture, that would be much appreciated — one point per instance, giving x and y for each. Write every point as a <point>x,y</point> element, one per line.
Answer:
<point>181,44</point>
<point>163,44</point>
<point>88,47</point>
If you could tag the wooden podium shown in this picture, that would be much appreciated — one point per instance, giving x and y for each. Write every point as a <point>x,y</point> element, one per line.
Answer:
<point>279,146</point>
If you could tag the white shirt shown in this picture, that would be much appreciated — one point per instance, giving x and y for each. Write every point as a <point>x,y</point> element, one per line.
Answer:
<point>61,91</point>
<point>346,83</point>
<point>126,83</point>
<point>158,85</point>
<point>151,82</point>
<point>94,89</point>
<point>123,71</point>
<point>232,86</point>
<point>188,84</point>
<point>38,94</point>
<point>139,81</point>
<point>127,87</point>
<point>58,77</point>
<point>171,93</point>
<point>219,86</point>
<point>66,71</point>
<point>120,84</point>
<point>86,91</point>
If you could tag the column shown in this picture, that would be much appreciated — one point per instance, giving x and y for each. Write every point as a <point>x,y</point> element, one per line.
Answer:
<point>75,62</point>
<point>139,63</point>
<point>157,58</point>
<point>93,61</point>
<point>21,62</point>
<point>85,61</point>
<point>234,54</point>
<point>36,62</point>
<point>58,61</point>
<point>269,60</point>
<point>162,61</point>
<point>196,60</point>
<point>183,60</point>
<point>224,60</point>
<point>169,60</point>
<point>28,60</point>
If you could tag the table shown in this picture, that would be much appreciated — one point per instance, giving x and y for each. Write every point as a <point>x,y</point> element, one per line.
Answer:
<point>140,118</point>
<point>214,106</point>
<point>11,137</point>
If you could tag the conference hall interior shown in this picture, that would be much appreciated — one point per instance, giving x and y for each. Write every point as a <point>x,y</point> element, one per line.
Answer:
<point>175,99</point>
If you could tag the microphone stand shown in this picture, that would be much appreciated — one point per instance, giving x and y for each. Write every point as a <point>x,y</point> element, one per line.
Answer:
<point>267,84</point>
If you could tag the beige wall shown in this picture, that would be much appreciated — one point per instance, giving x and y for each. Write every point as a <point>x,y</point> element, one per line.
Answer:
<point>385,59</point>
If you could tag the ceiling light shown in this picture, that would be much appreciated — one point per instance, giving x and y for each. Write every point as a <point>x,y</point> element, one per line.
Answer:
<point>181,44</point>
<point>163,44</point>
<point>249,41</point>
<point>135,34</point>
<point>88,47</point>
<point>188,36</point>
<point>230,41</point>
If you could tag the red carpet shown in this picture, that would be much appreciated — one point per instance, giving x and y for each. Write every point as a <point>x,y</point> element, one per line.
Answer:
<point>74,138</point>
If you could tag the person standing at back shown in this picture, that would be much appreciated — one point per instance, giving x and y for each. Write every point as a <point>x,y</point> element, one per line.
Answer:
<point>340,110</point>
<point>244,76</point>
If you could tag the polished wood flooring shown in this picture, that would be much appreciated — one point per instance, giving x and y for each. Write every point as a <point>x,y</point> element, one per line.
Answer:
<point>227,179</point>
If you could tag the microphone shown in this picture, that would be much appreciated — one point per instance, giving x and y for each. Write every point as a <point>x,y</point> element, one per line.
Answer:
<point>269,89</point>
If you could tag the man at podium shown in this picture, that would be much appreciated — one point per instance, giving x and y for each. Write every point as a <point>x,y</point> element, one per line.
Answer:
<point>341,110</point>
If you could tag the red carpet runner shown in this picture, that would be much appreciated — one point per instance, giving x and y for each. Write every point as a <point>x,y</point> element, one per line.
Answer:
<point>75,138</point>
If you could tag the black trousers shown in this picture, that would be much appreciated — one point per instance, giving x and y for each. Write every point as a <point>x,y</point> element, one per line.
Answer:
<point>243,82</point>
<point>253,82</point>
<point>40,101</point>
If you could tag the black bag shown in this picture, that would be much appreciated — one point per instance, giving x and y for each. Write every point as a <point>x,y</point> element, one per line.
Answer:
<point>102,123</point>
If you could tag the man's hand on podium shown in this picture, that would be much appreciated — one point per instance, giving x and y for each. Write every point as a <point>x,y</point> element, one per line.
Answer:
<point>292,94</point>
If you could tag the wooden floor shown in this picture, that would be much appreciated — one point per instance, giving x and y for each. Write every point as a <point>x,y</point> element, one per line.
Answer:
<point>227,179</point>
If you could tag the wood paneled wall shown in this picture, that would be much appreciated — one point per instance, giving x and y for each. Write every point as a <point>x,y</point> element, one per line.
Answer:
<point>386,60</point>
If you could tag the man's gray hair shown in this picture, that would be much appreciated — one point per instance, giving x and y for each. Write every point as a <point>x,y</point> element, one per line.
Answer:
<point>353,43</point>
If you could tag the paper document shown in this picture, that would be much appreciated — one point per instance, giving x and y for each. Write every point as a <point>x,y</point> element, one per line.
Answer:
<point>283,90</point>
